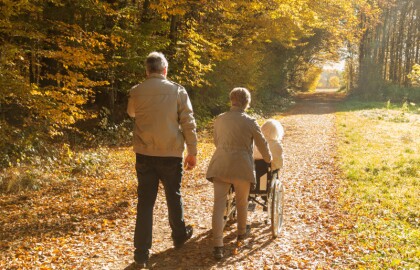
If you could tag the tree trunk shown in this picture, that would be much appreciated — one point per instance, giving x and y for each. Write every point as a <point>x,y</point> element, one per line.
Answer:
<point>400,43</point>
<point>417,35</point>
<point>145,17</point>
<point>408,48</point>
<point>382,57</point>
<point>173,29</point>
<point>363,52</point>
<point>392,54</point>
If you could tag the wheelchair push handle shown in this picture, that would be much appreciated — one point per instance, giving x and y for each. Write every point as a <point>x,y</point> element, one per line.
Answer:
<point>270,169</point>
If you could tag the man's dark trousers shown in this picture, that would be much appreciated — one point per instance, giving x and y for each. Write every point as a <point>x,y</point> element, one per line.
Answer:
<point>150,170</point>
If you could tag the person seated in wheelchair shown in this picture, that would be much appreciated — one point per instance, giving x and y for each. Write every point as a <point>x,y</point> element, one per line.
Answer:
<point>273,132</point>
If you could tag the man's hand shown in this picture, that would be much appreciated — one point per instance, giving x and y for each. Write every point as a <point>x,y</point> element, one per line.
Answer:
<point>190,162</point>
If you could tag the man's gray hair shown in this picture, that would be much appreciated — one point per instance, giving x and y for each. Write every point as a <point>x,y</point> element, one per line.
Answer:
<point>240,97</point>
<point>156,63</point>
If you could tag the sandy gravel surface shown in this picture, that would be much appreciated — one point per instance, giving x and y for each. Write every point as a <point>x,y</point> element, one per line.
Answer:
<point>308,238</point>
<point>89,223</point>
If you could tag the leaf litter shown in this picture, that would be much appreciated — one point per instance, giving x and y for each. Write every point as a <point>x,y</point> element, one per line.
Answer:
<point>88,222</point>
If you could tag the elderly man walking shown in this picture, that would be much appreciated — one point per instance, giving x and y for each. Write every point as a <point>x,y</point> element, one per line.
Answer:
<point>164,124</point>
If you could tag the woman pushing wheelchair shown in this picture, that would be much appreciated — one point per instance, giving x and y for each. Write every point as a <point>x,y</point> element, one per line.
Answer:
<point>232,163</point>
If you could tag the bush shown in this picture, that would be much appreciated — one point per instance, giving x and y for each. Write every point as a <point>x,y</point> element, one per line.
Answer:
<point>414,76</point>
<point>267,103</point>
<point>112,134</point>
<point>19,179</point>
<point>20,145</point>
<point>89,163</point>
<point>396,93</point>
<point>381,91</point>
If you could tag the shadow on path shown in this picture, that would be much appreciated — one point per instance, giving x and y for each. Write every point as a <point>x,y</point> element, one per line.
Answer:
<point>320,102</point>
<point>197,253</point>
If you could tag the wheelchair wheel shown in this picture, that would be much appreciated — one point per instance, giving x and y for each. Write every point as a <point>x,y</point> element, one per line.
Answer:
<point>276,207</point>
<point>230,210</point>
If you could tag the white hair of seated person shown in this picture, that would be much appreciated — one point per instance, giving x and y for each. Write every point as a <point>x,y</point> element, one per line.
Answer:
<point>272,130</point>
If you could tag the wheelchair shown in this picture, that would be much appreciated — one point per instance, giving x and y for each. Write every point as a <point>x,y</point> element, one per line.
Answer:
<point>268,193</point>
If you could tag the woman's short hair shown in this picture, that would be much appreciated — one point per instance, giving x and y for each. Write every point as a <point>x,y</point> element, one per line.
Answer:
<point>272,130</point>
<point>240,97</point>
<point>156,62</point>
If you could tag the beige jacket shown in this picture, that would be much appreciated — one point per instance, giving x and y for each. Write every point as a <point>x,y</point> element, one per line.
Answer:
<point>164,119</point>
<point>234,134</point>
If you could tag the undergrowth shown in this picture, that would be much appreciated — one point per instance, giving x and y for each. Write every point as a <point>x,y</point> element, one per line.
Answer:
<point>84,152</point>
<point>40,172</point>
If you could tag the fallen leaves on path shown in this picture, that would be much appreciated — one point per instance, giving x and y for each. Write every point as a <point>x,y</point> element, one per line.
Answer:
<point>88,223</point>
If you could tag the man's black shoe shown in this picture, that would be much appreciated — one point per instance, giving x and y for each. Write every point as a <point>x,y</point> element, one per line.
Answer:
<point>188,234</point>
<point>140,265</point>
<point>141,259</point>
<point>218,253</point>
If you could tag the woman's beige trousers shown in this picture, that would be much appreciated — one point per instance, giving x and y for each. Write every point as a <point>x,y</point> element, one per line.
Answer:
<point>221,189</point>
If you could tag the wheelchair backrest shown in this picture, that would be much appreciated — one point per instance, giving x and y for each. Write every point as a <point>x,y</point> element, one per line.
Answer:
<point>263,176</point>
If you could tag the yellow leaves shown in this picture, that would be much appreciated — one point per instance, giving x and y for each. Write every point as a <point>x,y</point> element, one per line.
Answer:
<point>35,92</point>
<point>105,222</point>
<point>168,8</point>
<point>76,57</point>
<point>414,76</point>
<point>39,248</point>
<point>56,251</point>
<point>67,151</point>
<point>396,262</point>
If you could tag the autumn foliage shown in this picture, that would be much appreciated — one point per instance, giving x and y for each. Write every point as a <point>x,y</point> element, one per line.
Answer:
<point>66,67</point>
<point>65,62</point>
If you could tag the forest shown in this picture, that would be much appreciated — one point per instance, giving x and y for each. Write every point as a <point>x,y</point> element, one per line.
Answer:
<point>66,66</point>
<point>351,146</point>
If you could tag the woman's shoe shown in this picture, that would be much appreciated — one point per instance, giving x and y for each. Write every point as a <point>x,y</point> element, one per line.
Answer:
<point>242,237</point>
<point>218,253</point>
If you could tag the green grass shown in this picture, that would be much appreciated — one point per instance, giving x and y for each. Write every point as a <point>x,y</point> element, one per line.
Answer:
<point>379,155</point>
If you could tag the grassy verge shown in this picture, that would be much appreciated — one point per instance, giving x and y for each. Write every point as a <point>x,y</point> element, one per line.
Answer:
<point>379,154</point>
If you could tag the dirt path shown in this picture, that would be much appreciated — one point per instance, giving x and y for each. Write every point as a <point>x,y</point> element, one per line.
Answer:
<point>37,234</point>
<point>307,240</point>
